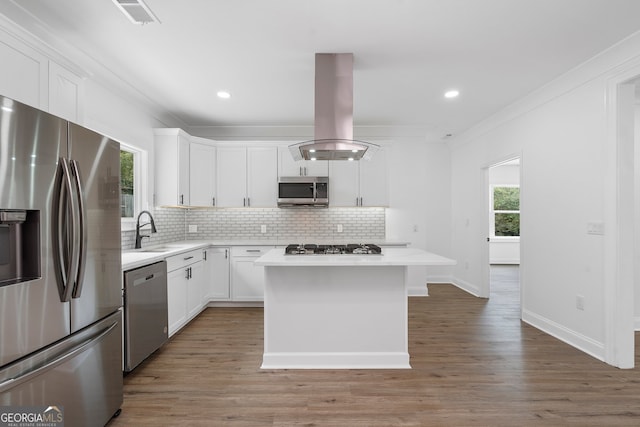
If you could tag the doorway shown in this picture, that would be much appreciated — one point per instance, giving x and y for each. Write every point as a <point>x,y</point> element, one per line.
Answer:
<point>504,231</point>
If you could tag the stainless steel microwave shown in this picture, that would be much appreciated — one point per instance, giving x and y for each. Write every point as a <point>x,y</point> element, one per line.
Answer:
<point>301,191</point>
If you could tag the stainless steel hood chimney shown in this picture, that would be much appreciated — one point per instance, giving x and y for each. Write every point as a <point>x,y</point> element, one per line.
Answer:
<point>333,127</point>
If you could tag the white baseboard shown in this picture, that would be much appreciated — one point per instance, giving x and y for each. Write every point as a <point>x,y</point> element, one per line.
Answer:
<point>322,360</point>
<point>504,261</point>
<point>466,286</point>
<point>581,342</point>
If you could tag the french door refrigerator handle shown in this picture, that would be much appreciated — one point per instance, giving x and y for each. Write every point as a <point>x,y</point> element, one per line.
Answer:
<point>62,192</point>
<point>82,228</point>
<point>89,342</point>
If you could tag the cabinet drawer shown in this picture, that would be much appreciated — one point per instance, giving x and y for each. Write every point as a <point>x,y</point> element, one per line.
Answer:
<point>254,251</point>
<point>182,260</point>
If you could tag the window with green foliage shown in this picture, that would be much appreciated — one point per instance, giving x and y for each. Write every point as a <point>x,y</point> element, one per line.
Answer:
<point>506,211</point>
<point>127,207</point>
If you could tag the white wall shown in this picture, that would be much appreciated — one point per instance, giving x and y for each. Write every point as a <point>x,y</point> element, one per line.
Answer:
<point>561,133</point>
<point>504,250</point>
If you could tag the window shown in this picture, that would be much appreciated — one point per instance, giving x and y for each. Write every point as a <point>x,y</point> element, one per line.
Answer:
<point>127,187</point>
<point>133,169</point>
<point>505,210</point>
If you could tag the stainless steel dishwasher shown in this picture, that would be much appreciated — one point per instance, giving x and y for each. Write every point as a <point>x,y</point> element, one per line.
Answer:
<point>145,312</point>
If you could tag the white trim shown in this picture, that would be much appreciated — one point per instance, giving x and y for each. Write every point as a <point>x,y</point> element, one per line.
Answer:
<point>327,360</point>
<point>619,248</point>
<point>573,338</point>
<point>468,287</point>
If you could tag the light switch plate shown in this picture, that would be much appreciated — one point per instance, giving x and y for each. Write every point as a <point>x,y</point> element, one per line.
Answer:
<point>595,227</point>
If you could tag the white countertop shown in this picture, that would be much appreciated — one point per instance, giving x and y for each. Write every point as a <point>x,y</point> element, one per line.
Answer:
<point>389,257</point>
<point>134,258</point>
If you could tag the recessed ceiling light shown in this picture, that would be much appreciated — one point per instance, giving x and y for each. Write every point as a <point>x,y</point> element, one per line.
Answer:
<point>223,94</point>
<point>453,93</point>
<point>351,159</point>
<point>312,150</point>
<point>313,159</point>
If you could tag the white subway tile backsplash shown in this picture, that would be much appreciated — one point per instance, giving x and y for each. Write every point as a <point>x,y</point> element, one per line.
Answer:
<point>358,224</point>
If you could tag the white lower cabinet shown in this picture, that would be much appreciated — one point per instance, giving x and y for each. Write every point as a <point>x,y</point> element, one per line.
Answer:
<point>247,279</point>
<point>217,272</point>
<point>184,288</point>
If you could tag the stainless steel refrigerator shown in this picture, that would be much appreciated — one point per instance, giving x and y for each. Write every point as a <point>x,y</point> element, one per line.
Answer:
<point>60,267</point>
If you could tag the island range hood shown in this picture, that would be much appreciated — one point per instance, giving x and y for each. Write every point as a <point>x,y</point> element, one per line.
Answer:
<point>333,125</point>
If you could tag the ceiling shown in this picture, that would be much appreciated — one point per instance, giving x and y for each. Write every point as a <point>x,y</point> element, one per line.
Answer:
<point>407,53</point>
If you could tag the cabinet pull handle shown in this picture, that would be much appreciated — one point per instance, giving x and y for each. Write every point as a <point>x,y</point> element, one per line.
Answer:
<point>248,201</point>
<point>204,253</point>
<point>244,202</point>
<point>254,250</point>
<point>189,257</point>
<point>360,201</point>
<point>187,271</point>
<point>300,170</point>
<point>225,253</point>
<point>305,171</point>
<point>182,199</point>
<point>213,202</point>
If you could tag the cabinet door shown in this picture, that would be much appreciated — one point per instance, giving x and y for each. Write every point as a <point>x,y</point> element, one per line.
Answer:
<point>316,168</point>
<point>183,171</point>
<point>262,178</point>
<point>373,180</point>
<point>202,177</point>
<point>218,265</point>
<point>195,291</point>
<point>248,279</point>
<point>177,299</point>
<point>289,167</point>
<point>231,176</point>
<point>171,167</point>
<point>343,183</point>
<point>65,93</point>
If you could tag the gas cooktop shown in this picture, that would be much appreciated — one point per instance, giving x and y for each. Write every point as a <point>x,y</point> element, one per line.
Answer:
<point>348,249</point>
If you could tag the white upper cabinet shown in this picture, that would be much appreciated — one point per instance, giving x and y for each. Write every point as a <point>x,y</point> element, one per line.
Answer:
<point>361,183</point>
<point>247,176</point>
<point>171,167</point>
<point>290,167</point>
<point>231,176</point>
<point>202,176</point>
<point>373,181</point>
<point>65,93</point>
<point>262,177</point>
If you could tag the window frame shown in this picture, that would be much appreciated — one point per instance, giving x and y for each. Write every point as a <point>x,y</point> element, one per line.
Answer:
<point>493,212</point>
<point>139,185</point>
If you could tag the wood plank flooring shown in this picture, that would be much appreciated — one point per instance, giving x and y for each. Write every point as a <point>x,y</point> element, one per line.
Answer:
<point>474,364</point>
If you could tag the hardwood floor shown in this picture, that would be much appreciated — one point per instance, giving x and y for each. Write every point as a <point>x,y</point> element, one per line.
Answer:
<point>474,364</point>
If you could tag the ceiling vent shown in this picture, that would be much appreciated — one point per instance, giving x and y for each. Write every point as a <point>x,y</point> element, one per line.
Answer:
<point>333,125</point>
<point>136,11</point>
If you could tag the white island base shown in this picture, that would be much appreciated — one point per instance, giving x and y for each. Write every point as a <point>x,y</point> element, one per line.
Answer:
<point>338,317</point>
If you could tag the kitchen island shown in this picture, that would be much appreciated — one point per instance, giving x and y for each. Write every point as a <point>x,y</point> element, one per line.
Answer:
<point>338,311</point>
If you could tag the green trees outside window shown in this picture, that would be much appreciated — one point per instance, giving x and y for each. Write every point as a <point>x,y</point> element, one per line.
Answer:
<point>126,184</point>
<point>506,208</point>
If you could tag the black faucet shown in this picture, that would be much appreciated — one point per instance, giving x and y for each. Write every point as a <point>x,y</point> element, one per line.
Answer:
<point>138,227</point>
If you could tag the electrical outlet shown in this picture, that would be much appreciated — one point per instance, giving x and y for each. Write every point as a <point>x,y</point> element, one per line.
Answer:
<point>193,228</point>
<point>339,228</point>
<point>263,228</point>
<point>580,302</point>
